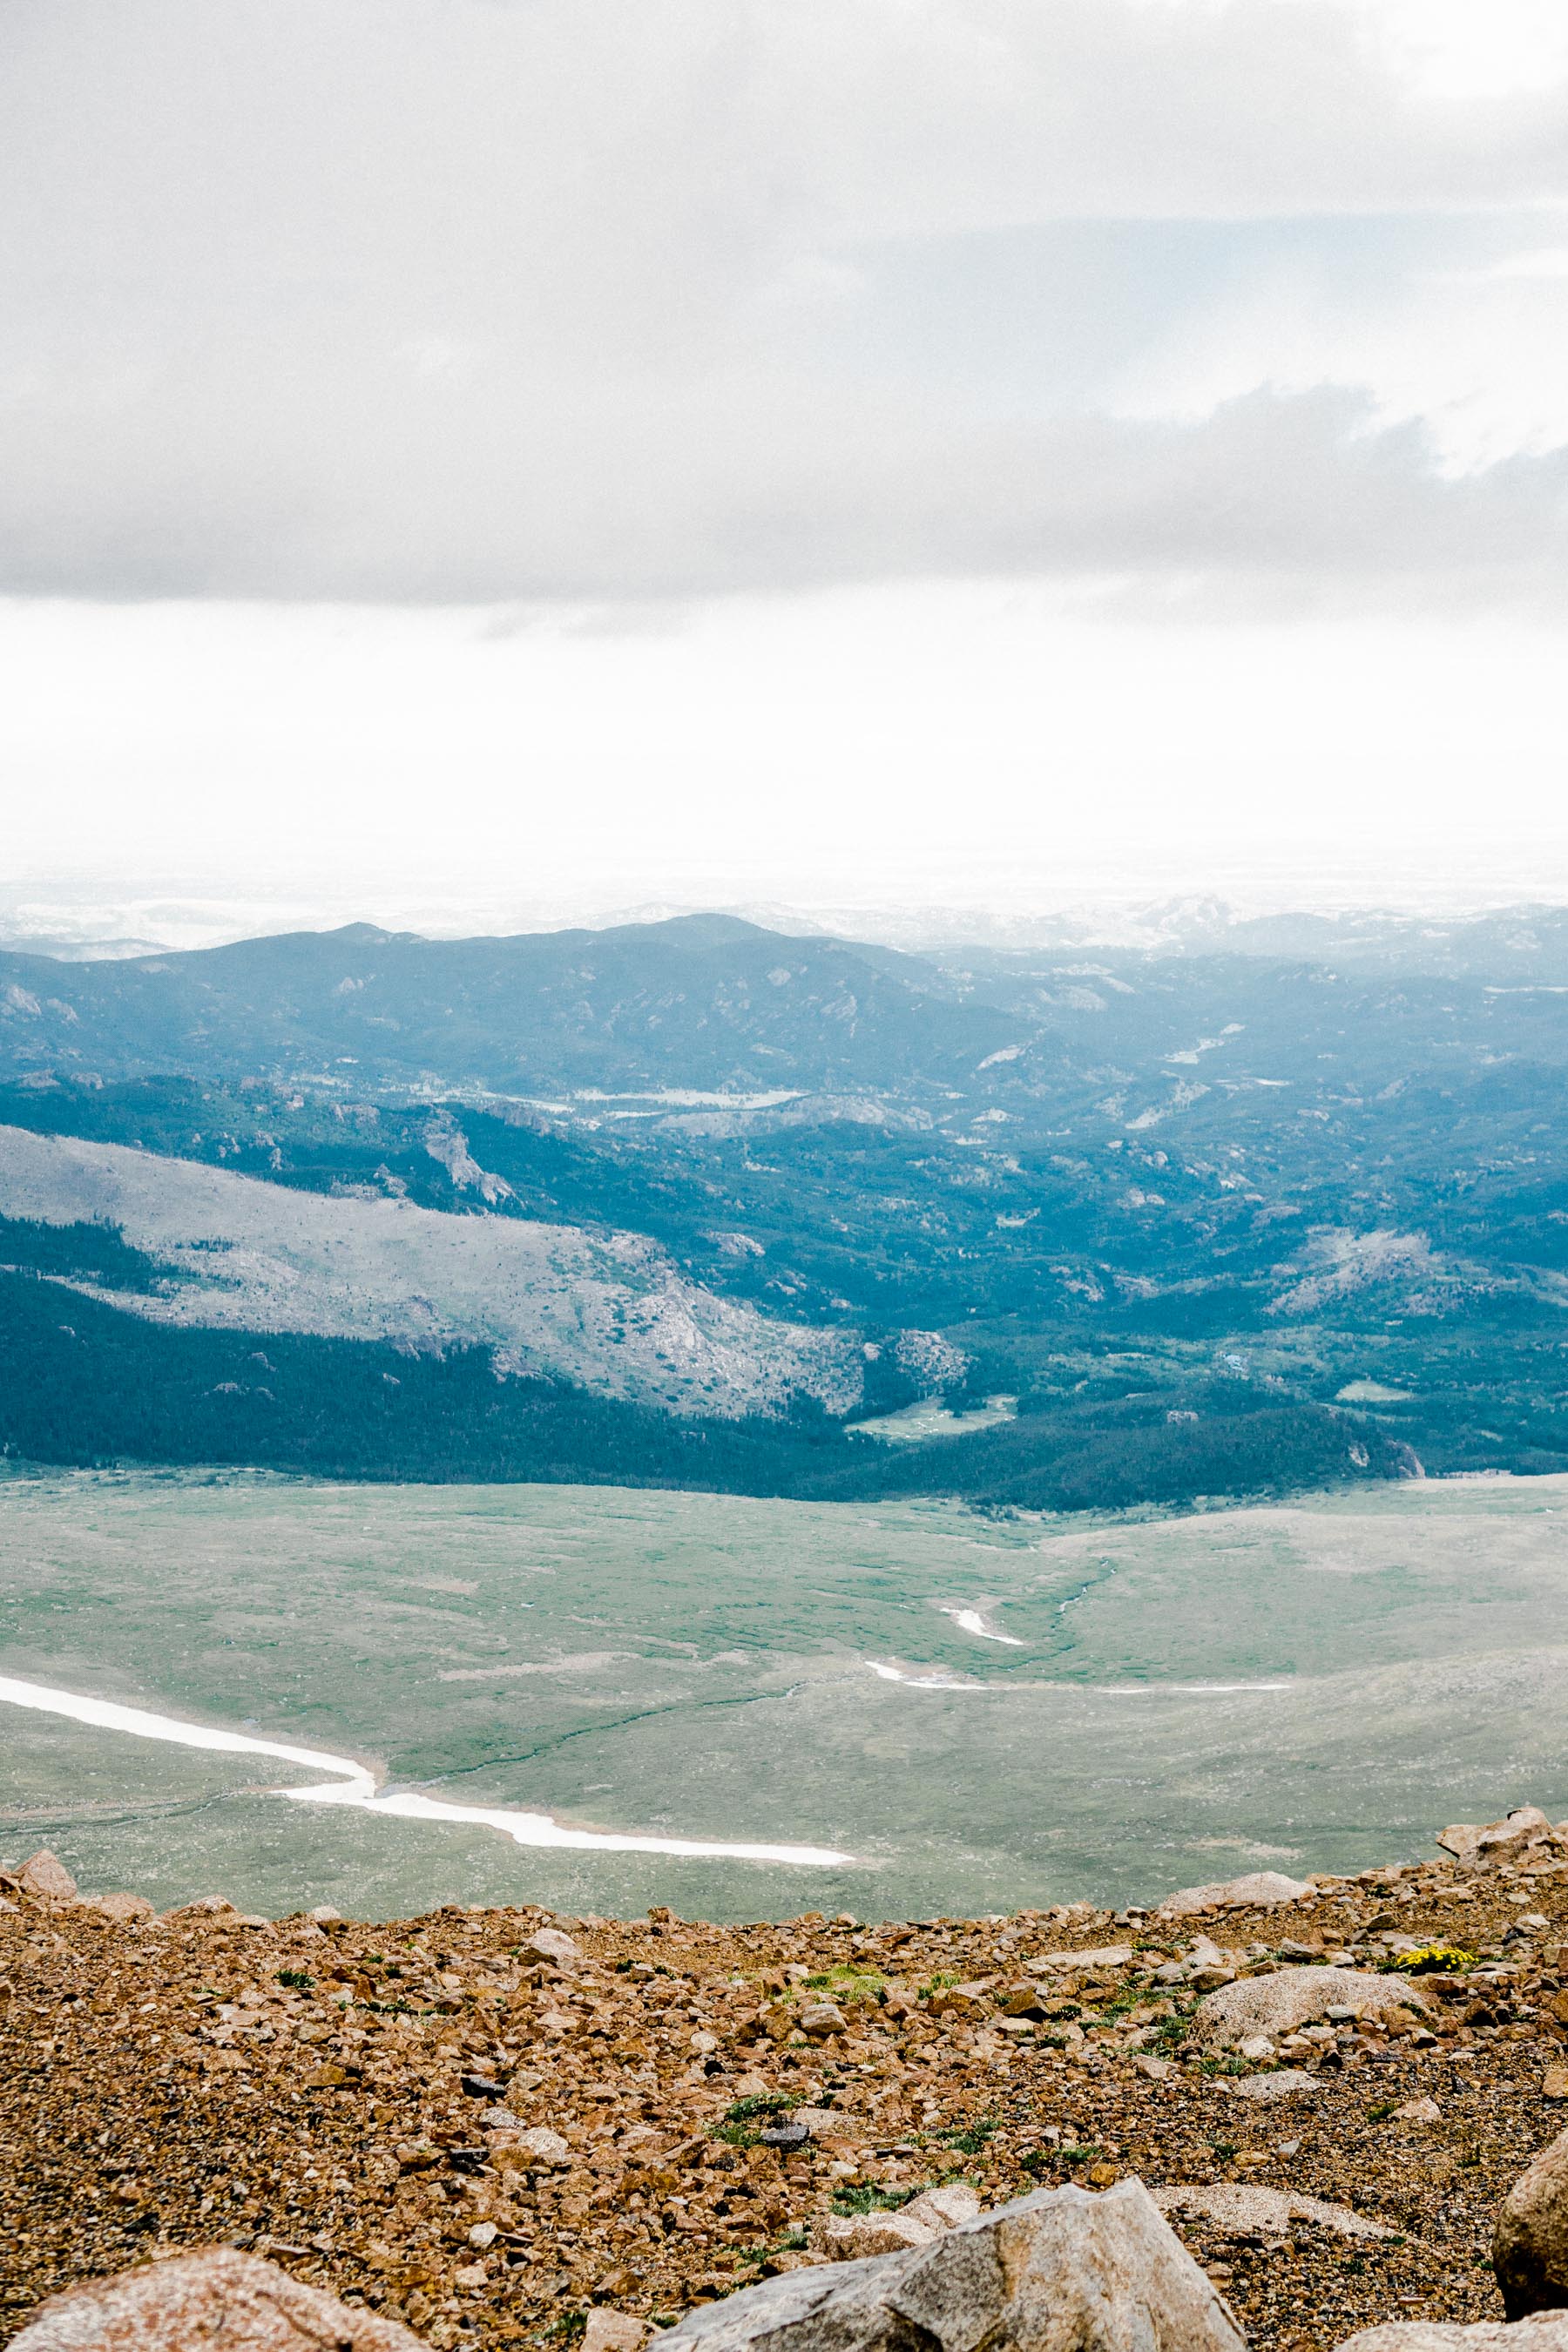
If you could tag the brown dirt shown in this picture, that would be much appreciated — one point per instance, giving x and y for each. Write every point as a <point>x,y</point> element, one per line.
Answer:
<point>295,2089</point>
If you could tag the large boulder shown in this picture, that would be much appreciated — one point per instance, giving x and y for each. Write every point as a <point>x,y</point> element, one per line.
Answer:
<point>1478,1844</point>
<point>220,2299</point>
<point>1546,2332</point>
<point>1060,2268</point>
<point>1530,2243</point>
<point>1258,1890</point>
<point>1288,1998</point>
<point>44,1878</point>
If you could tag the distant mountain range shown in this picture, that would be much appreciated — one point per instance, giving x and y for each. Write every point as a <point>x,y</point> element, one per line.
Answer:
<point>702,1001</point>
<point>1218,1221</point>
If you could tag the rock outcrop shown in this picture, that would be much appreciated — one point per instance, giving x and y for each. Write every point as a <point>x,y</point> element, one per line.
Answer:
<point>219,2300</point>
<point>1529,2245</point>
<point>1524,1830</point>
<point>1258,1890</point>
<point>1245,2209</point>
<point>44,1878</point>
<point>1269,2006</point>
<point>1101,2273</point>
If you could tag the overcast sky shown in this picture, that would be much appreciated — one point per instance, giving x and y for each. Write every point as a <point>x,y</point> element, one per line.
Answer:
<point>507,453</point>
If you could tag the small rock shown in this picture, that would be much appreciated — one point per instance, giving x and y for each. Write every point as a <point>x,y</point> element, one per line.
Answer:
<point>945,2209</point>
<point>1258,2047</point>
<point>822,2018</point>
<point>1260,1890</point>
<point>479,2086</point>
<point>471,2275</point>
<point>1417,2111</point>
<point>793,2134</point>
<point>1105,1956</point>
<point>219,2297</point>
<point>540,2147</point>
<point>1203,1952</point>
<point>499,2119</point>
<point>122,1906</point>
<point>1555,2085</point>
<point>704,2043</point>
<point>825,2123</point>
<point>206,1906</point>
<point>1153,2070</point>
<point>554,1944</point>
<point>614,2331</point>
<point>1529,2243</point>
<point>483,2234</point>
<point>855,2237</point>
<point>44,1878</point>
<point>323,1915</point>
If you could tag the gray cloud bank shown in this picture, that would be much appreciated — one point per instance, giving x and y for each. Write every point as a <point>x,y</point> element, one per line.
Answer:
<point>439,301</point>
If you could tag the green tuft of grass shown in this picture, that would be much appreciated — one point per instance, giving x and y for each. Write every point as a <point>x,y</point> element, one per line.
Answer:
<point>867,2197</point>
<point>849,1983</point>
<point>766,2103</point>
<point>297,1980</point>
<point>1084,2152</point>
<point>970,2138</point>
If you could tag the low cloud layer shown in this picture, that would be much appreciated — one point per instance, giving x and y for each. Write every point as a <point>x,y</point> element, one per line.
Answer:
<point>452,300</point>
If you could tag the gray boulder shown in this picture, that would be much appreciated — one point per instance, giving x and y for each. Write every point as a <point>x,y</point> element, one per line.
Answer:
<point>1529,2243</point>
<point>556,1945</point>
<point>1547,2331</point>
<point>1059,2268</point>
<point>1287,1997</point>
<point>221,2299</point>
<point>1245,2209</point>
<point>1260,1890</point>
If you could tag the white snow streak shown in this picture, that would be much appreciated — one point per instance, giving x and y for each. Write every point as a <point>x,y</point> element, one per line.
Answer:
<point>354,1784</point>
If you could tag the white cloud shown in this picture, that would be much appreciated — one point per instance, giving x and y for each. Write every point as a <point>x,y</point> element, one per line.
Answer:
<point>450,300</point>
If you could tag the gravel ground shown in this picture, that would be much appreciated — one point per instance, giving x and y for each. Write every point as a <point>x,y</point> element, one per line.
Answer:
<point>297,2086</point>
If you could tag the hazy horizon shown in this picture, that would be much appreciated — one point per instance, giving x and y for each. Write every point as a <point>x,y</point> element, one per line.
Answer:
<point>458,457</point>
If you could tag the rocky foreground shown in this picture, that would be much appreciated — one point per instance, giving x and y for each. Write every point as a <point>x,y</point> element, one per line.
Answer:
<point>496,2126</point>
